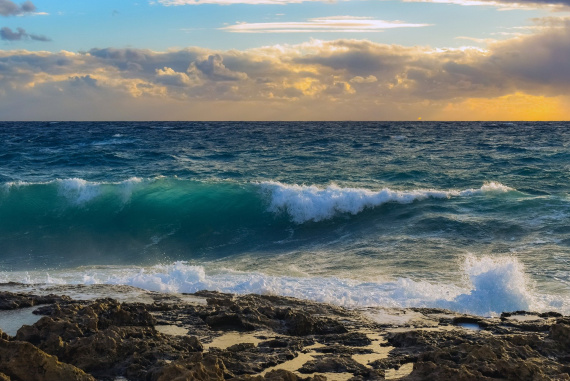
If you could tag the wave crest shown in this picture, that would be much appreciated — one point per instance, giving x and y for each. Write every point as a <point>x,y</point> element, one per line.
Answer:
<point>80,191</point>
<point>311,203</point>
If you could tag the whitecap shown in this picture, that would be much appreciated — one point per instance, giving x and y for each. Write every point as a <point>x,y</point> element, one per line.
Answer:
<point>312,203</point>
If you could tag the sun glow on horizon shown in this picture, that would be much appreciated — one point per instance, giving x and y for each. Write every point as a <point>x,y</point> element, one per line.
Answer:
<point>518,106</point>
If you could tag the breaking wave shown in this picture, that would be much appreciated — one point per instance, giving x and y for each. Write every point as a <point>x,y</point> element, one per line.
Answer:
<point>302,202</point>
<point>148,220</point>
<point>490,286</point>
<point>312,203</point>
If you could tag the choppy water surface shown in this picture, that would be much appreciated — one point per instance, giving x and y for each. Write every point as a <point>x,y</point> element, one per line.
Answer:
<point>469,216</point>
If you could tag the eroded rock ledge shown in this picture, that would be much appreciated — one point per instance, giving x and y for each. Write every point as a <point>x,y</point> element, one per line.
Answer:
<point>214,336</point>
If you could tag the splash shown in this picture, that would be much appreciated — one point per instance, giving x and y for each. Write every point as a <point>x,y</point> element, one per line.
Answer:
<point>494,285</point>
<point>497,284</point>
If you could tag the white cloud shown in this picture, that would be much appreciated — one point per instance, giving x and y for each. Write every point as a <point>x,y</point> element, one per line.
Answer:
<point>505,5</point>
<point>501,4</point>
<point>325,24</point>
<point>229,2</point>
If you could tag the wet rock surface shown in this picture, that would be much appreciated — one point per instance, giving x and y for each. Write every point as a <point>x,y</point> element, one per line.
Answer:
<point>12,301</point>
<point>20,360</point>
<point>258,337</point>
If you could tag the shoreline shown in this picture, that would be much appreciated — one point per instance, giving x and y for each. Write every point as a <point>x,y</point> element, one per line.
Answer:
<point>215,336</point>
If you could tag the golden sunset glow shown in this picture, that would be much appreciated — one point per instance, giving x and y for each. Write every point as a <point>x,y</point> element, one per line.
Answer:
<point>517,106</point>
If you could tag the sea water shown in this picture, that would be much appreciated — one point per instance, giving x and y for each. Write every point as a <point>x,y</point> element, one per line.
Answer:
<point>474,217</point>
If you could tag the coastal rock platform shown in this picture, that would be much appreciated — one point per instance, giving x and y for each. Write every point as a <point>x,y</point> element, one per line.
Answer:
<point>215,336</point>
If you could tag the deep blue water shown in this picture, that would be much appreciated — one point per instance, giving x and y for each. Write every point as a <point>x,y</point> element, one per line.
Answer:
<point>382,213</point>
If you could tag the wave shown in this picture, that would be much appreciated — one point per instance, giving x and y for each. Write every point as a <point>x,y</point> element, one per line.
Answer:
<point>302,202</point>
<point>128,221</point>
<point>169,218</point>
<point>312,203</point>
<point>79,191</point>
<point>491,286</point>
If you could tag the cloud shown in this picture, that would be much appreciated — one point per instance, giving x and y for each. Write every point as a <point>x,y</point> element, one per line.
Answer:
<point>169,77</point>
<point>540,60</point>
<point>229,2</point>
<point>553,5</point>
<point>214,68</point>
<point>501,4</point>
<point>85,80</point>
<point>359,79</point>
<point>9,8</point>
<point>339,79</point>
<point>20,34</point>
<point>345,24</point>
<point>360,57</point>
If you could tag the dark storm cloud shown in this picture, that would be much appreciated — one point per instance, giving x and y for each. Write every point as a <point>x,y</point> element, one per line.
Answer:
<point>20,34</point>
<point>9,8</point>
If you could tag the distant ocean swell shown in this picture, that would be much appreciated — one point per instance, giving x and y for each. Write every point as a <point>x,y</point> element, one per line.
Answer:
<point>490,286</point>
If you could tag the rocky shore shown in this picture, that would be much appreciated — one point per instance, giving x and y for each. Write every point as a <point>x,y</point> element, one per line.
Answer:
<point>214,336</point>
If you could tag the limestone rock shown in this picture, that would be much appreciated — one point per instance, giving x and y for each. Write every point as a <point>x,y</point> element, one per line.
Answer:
<point>23,361</point>
<point>280,375</point>
<point>106,338</point>
<point>561,333</point>
<point>198,368</point>
<point>12,301</point>
<point>336,364</point>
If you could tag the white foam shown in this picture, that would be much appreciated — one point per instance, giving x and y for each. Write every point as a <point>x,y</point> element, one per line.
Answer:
<point>127,188</point>
<point>78,191</point>
<point>491,187</point>
<point>496,284</point>
<point>312,203</point>
<point>491,286</point>
<point>13,184</point>
<point>115,141</point>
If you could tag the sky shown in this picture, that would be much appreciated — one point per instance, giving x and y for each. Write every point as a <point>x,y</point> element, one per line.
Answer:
<point>285,60</point>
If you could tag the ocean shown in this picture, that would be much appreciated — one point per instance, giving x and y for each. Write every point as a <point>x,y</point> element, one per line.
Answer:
<point>469,216</point>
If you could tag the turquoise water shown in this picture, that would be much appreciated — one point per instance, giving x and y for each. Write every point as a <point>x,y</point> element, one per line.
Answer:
<point>468,216</point>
